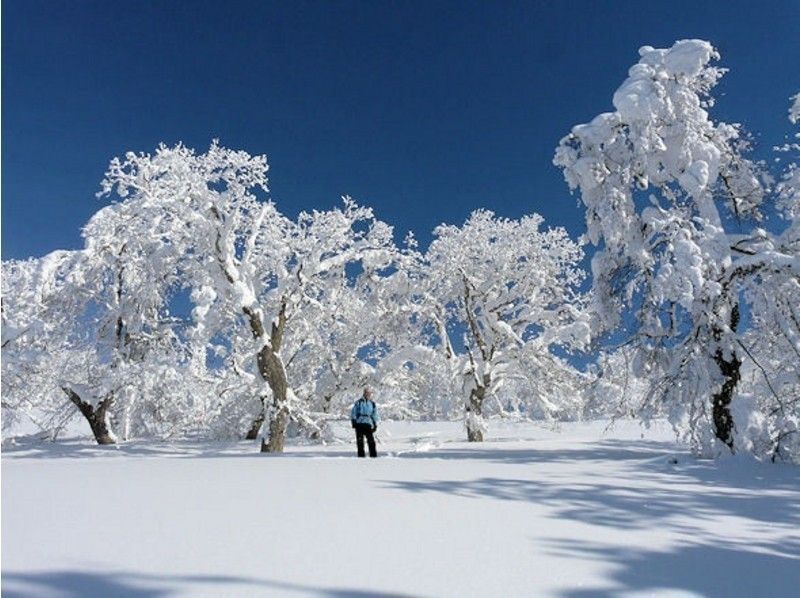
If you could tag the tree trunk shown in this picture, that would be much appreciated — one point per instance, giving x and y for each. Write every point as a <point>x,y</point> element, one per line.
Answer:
<point>272,370</point>
<point>271,367</point>
<point>96,416</point>
<point>474,414</point>
<point>721,401</point>
<point>277,430</point>
<point>255,427</point>
<point>477,394</point>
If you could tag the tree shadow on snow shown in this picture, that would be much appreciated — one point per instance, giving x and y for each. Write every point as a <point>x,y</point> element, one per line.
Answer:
<point>36,447</point>
<point>705,570</point>
<point>71,448</point>
<point>125,584</point>
<point>643,492</point>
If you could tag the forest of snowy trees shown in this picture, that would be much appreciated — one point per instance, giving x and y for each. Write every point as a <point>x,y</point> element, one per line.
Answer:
<point>197,307</point>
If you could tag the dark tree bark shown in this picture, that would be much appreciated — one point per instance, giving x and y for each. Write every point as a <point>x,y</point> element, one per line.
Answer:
<point>258,421</point>
<point>721,401</point>
<point>477,394</point>
<point>96,416</point>
<point>475,409</point>
<point>723,420</point>
<point>277,431</point>
<point>270,364</point>
<point>272,370</point>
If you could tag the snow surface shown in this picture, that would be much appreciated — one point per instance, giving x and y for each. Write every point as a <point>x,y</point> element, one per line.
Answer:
<point>531,512</point>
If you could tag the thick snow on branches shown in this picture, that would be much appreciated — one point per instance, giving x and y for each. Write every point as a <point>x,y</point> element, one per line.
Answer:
<point>263,286</point>
<point>665,187</point>
<point>512,289</point>
<point>286,319</point>
<point>196,306</point>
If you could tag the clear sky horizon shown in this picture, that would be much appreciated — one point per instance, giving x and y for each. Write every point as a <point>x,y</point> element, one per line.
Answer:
<point>423,110</point>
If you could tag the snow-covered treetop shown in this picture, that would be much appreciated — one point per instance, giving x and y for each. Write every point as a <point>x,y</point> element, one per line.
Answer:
<point>512,286</point>
<point>507,274</point>
<point>659,136</point>
<point>661,139</point>
<point>236,169</point>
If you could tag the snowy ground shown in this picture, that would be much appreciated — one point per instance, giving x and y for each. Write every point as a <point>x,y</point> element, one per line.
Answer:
<point>531,512</point>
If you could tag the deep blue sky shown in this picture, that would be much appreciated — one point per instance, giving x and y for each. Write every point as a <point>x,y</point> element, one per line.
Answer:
<point>424,110</point>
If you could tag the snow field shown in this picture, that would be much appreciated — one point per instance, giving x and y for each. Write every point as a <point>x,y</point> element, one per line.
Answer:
<point>531,512</point>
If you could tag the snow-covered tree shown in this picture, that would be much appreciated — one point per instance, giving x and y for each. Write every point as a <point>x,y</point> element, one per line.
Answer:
<point>767,417</point>
<point>343,336</point>
<point>420,381</point>
<point>662,184</point>
<point>93,324</point>
<point>35,311</point>
<point>513,288</point>
<point>615,390</point>
<point>127,279</point>
<point>249,265</point>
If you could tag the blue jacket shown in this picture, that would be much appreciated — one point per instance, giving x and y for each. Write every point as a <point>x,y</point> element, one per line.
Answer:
<point>364,411</point>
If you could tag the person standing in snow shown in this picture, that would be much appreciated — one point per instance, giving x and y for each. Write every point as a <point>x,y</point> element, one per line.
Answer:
<point>364,419</point>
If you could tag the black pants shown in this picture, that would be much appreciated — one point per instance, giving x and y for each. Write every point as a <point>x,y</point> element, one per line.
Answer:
<point>361,431</point>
